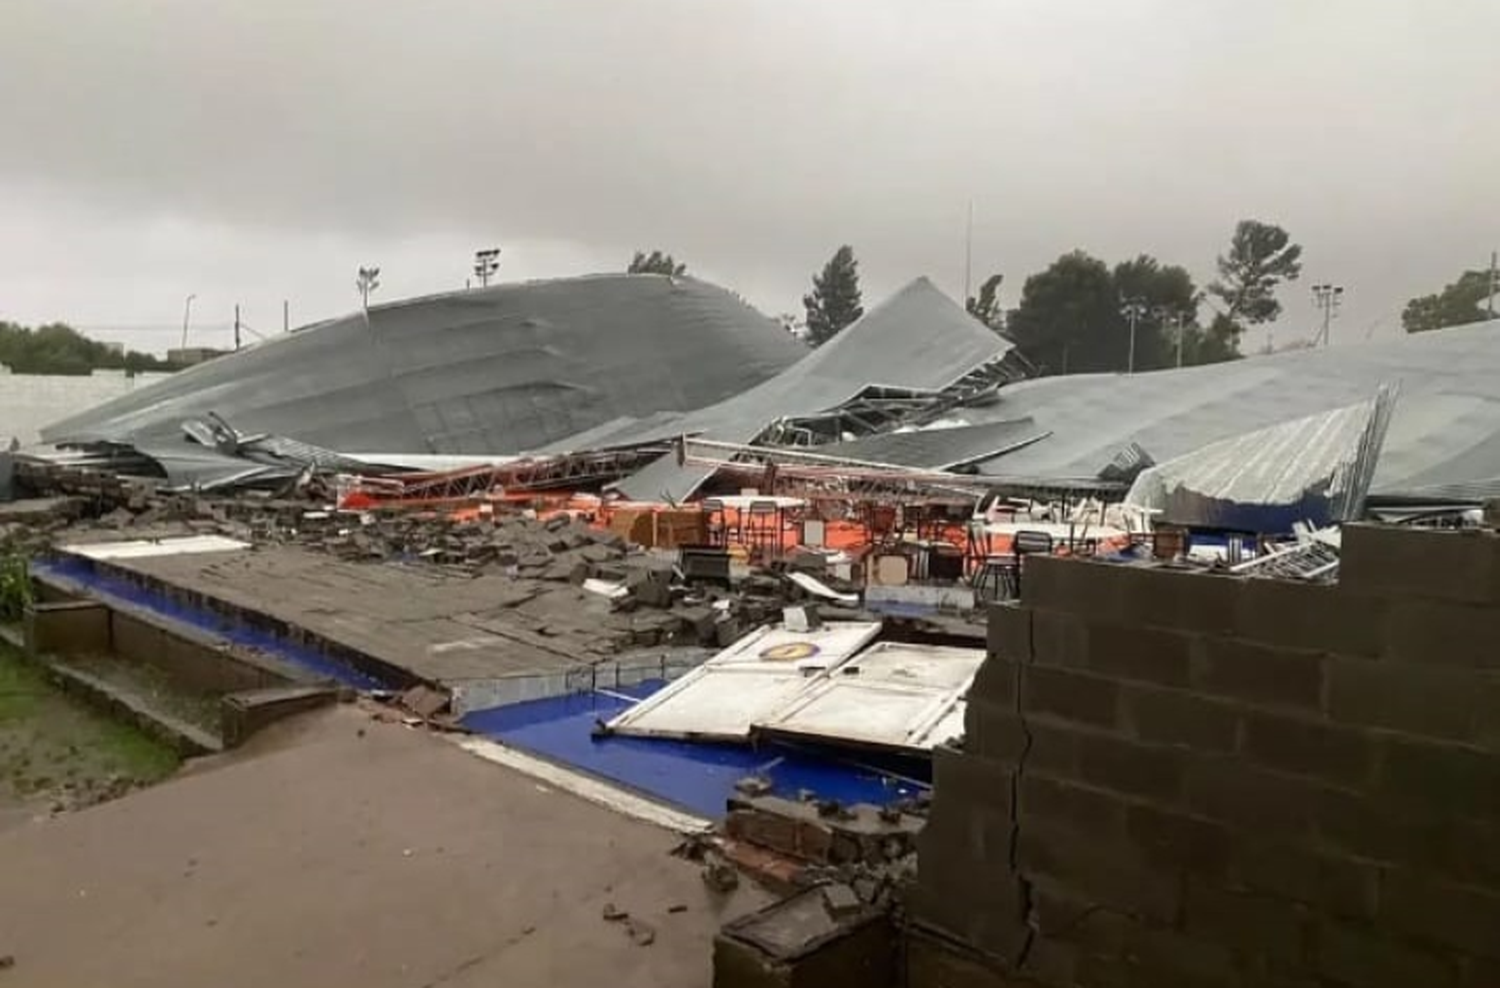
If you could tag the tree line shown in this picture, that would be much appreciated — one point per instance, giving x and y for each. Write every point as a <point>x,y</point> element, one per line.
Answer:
<point>57,348</point>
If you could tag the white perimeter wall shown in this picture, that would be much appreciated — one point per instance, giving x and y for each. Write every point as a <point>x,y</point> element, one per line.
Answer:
<point>30,401</point>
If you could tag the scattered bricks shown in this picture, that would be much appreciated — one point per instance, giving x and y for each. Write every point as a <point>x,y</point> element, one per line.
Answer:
<point>1177,718</point>
<point>1187,600</point>
<point>1396,562</point>
<point>1124,766</point>
<point>993,731</point>
<point>1441,780</point>
<point>1171,841</point>
<point>1444,915</point>
<point>1086,811</point>
<point>1229,791</point>
<point>1339,755</point>
<point>1260,925</point>
<point>1059,639</point>
<point>1428,632</point>
<point>1322,617</point>
<point>1246,671</point>
<point>1435,702</point>
<point>1149,654</point>
<point>1009,627</point>
<point>1333,885</point>
<point>1070,695</point>
<point>1109,873</point>
<point>1359,955</point>
<point>996,680</point>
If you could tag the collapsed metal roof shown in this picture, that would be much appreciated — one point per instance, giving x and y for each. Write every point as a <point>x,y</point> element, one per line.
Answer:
<point>490,371</point>
<point>1444,435</point>
<point>917,341</point>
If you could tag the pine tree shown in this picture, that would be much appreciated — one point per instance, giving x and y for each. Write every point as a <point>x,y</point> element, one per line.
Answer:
<point>835,300</point>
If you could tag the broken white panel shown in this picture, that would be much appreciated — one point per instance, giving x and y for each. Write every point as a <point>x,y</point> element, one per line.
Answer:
<point>145,548</point>
<point>901,697</point>
<point>721,699</point>
<point>818,588</point>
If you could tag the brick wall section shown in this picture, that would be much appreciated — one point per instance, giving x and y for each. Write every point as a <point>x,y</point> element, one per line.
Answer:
<point>1177,778</point>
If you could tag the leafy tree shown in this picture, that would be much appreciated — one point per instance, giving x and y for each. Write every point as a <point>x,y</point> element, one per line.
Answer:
<point>60,349</point>
<point>655,263</point>
<point>986,305</point>
<point>1261,256</point>
<point>1458,303</point>
<point>1069,318</point>
<point>835,300</point>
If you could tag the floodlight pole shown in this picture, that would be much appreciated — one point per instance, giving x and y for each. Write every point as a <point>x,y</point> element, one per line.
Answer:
<point>1327,297</point>
<point>1132,309</point>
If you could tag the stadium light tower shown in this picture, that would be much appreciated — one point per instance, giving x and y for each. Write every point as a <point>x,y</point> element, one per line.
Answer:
<point>367,282</point>
<point>486,263</point>
<point>1327,297</point>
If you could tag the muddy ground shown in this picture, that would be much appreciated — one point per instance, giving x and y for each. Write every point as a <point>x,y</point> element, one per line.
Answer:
<point>58,754</point>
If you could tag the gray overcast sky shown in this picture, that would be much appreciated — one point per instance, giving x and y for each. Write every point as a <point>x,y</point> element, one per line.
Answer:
<point>255,150</point>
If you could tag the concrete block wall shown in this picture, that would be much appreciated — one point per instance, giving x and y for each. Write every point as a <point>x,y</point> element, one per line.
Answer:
<point>1176,778</point>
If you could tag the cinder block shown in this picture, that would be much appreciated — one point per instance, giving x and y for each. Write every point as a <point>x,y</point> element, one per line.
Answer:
<point>1440,780</point>
<point>1070,695</point>
<point>1171,840</point>
<point>1263,926</point>
<point>1152,655</point>
<point>1341,755</point>
<point>1321,617</point>
<point>1174,717</point>
<point>1009,627</point>
<point>1071,585</point>
<point>1356,954</point>
<point>1430,632</point>
<point>932,962</point>
<point>1059,914</point>
<point>1053,746</point>
<point>1160,958</point>
<point>1419,699</point>
<point>1123,766</point>
<point>1333,885</point>
<point>993,731</point>
<point>1227,790</point>
<point>1109,873</point>
<point>1059,639</point>
<point>1058,803</point>
<point>1186,600</point>
<point>69,627</point>
<point>972,781</point>
<point>997,680</point>
<point>1396,562</point>
<point>1441,914</point>
<point>1243,670</point>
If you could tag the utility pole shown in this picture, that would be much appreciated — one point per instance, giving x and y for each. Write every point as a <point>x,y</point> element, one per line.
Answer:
<point>1494,282</point>
<point>1173,319</point>
<point>286,316</point>
<point>1327,297</point>
<point>969,254</point>
<point>236,326</point>
<point>187,313</point>
<point>486,263</point>
<point>1132,309</point>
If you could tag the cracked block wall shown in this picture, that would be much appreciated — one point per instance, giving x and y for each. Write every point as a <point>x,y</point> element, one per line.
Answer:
<point>1173,778</point>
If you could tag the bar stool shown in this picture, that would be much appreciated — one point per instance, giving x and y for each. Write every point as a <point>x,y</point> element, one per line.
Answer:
<point>763,527</point>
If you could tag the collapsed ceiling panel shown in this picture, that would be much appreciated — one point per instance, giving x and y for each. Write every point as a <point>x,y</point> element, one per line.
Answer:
<point>495,370</point>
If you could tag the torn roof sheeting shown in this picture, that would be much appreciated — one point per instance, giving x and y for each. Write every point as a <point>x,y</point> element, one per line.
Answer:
<point>496,370</point>
<point>938,448</point>
<point>1445,430</point>
<point>1315,469</point>
<point>918,339</point>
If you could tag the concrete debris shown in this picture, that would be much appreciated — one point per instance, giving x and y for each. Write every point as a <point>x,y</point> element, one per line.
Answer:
<point>614,914</point>
<point>642,933</point>
<point>721,877</point>
<point>841,900</point>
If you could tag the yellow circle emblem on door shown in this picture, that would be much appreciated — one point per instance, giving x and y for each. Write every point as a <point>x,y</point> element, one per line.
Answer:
<point>789,652</point>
